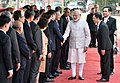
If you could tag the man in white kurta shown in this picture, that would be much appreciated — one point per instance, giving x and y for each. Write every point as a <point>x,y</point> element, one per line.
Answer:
<point>79,38</point>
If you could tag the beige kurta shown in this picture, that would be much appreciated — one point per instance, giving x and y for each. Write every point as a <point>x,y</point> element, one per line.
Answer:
<point>79,37</point>
<point>44,50</point>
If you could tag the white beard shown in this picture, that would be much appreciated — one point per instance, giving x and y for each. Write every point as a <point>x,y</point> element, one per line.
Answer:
<point>75,20</point>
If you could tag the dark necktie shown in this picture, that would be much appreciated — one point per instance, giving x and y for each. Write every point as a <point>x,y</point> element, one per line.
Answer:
<point>67,19</point>
<point>97,27</point>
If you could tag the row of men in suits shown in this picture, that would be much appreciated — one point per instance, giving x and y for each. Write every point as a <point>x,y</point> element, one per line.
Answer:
<point>26,44</point>
<point>21,52</point>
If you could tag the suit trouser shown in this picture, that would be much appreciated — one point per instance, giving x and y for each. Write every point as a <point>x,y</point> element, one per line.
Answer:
<point>27,71</point>
<point>35,64</point>
<point>93,38</point>
<point>64,54</point>
<point>14,75</point>
<point>20,73</point>
<point>51,63</point>
<point>42,77</point>
<point>5,80</point>
<point>48,63</point>
<point>56,60</point>
<point>112,61</point>
<point>105,64</point>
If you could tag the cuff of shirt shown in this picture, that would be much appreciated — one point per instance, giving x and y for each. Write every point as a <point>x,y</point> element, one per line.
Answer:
<point>10,70</point>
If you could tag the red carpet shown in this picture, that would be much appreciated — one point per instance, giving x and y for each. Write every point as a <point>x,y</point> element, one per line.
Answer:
<point>91,68</point>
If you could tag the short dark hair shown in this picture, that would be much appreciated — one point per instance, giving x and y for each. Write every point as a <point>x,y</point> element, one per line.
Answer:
<point>66,8</point>
<point>26,7</point>
<point>109,8</point>
<point>17,15</point>
<point>29,13</point>
<point>43,22</point>
<point>48,5</point>
<point>41,11</point>
<point>98,15</point>
<point>92,8</point>
<point>58,8</point>
<point>4,19</point>
<point>51,12</point>
<point>33,6</point>
<point>37,14</point>
<point>45,15</point>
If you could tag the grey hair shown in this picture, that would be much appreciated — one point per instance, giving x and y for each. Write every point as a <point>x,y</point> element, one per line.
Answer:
<point>77,10</point>
<point>7,13</point>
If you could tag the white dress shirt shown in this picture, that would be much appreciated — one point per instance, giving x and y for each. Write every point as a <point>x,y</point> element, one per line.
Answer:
<point>98,25</point>
<point>68,18</point>
<point>106,19</point>
<point>3,31</point>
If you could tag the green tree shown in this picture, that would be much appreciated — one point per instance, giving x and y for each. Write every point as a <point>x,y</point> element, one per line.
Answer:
<point>103,3</point>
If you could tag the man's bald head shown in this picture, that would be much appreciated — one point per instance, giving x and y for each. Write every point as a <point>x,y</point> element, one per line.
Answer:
<point>18,26</point>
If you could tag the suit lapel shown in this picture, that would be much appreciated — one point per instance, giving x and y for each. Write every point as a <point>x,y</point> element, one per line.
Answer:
<point>102,19</point>
<point>108,21</point>
<point>99,28</point>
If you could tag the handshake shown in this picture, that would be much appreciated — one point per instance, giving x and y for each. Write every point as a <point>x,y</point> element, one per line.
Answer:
<point>62,42</point>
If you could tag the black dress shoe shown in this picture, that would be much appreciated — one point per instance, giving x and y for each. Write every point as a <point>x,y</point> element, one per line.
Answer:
<point>102,80</point>
<point>99,73</point>
<point>72,78</point>
<point>81,78</point>
<point>51,76</point>
<point>49,80</point>
<point>58,71</point>
<point>69,65</point>
<point>65,68</point>
<point>55,74</point>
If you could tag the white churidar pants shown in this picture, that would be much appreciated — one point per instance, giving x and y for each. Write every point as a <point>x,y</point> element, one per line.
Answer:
<point>73,66</point>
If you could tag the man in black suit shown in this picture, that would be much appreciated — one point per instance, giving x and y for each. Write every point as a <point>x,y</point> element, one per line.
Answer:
<point>54,33</point>
<point>57,52</point>
<point>104,46</point>
<point>14,46</point>
<point>92,27</point>
<point>37,37</point>
<point>111,23</point>
<point>29,16</point>
<point>6,67</point>
<point>24,51</point>
<point>65,47</point>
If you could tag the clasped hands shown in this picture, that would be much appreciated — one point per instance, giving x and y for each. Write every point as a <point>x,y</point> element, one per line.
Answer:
<point>62,42</point>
